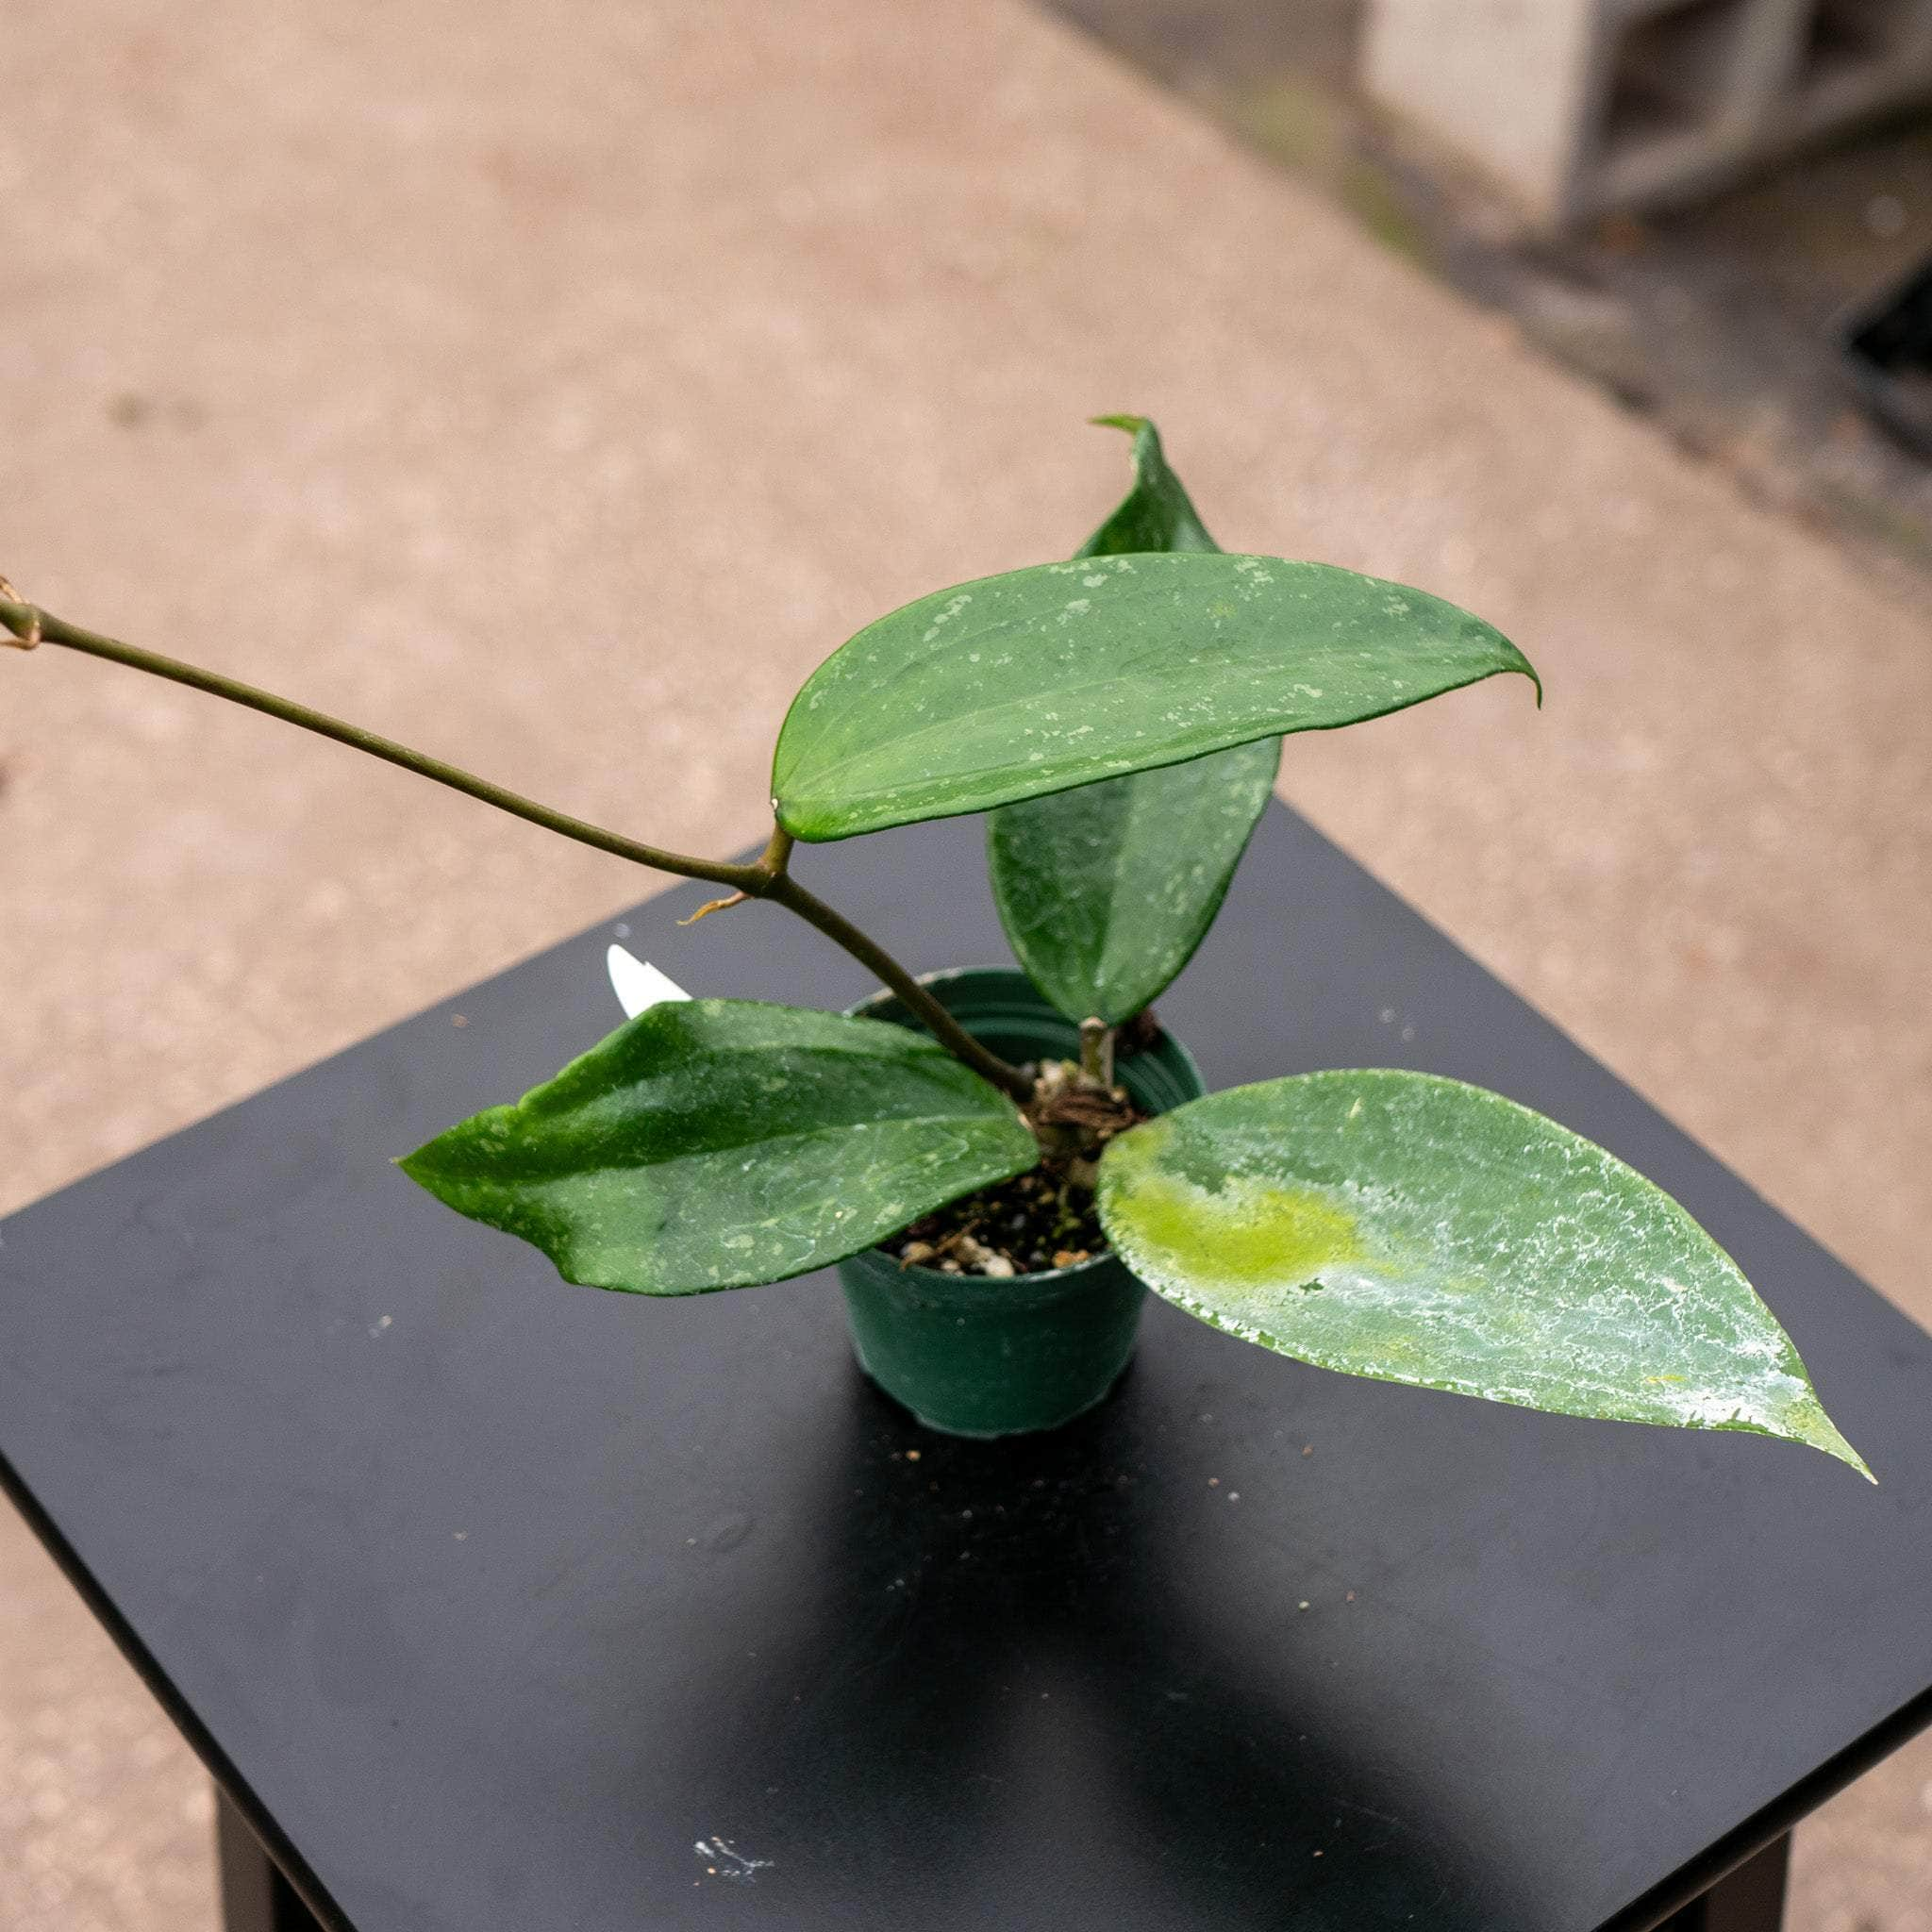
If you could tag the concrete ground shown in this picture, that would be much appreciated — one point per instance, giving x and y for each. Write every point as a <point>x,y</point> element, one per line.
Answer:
<point>555,399</point>
<point>1721,322</point>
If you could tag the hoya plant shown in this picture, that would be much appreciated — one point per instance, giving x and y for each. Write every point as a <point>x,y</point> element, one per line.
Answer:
<point>1119,718</point>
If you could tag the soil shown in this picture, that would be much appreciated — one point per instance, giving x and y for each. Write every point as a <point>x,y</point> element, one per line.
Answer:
<point>1044,1218</point>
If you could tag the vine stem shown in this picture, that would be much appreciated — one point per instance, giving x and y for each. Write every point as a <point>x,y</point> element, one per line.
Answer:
<point>786,890</point>
<point>765,877</point>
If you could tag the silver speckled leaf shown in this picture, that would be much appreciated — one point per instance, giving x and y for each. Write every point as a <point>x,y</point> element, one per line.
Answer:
<point>1063,673</point>
<point>1413,1229</point>
<point>720,1144</point>
<point>1105,891</point>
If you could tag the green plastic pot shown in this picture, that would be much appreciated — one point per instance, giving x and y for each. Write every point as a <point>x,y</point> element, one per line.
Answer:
<point>972,1356</point>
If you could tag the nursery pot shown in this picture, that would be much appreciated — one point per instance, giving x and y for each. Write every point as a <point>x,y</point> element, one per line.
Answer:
<point>970,1355</point>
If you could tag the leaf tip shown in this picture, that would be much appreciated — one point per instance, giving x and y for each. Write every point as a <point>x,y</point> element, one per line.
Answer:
<point>1132,425</point>
<point>427,1167</point>
<point>1824,1434</point>
<point>1522,665</point>
<point>1805,1421</point>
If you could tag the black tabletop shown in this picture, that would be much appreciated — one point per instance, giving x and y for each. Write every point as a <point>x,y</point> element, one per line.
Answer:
<point>501,1605</point>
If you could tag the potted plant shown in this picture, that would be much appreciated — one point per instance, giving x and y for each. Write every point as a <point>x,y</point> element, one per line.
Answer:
<point>998,1160</point>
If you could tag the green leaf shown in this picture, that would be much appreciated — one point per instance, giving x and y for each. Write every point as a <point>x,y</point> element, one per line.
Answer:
<point>1066,673</point>
<point>1156,513</point>
<point>718,1143</point>
<point>1413,1229</point>
<point>1105,891</point>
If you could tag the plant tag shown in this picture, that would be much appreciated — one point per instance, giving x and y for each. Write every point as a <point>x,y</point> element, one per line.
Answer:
<point>638,984</point>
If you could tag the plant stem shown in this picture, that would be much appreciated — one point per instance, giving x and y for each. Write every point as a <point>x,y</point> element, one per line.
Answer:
<point>19,619</point>
<point>765,877</point>
<point>786,890</point>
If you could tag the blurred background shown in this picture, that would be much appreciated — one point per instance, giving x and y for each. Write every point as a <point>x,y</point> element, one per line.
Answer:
<point>556,399</point>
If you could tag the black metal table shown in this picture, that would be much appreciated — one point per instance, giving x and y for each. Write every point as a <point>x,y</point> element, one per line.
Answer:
<point>499,1605</point>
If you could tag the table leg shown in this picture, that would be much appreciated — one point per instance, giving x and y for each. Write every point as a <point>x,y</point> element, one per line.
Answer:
<point>1752,1899</point>
<point>255,1896</point>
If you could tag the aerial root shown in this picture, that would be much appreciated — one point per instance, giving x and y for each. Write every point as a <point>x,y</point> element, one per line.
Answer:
<point>716,906</point>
